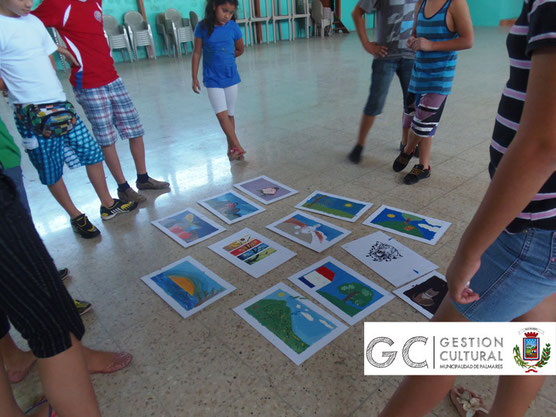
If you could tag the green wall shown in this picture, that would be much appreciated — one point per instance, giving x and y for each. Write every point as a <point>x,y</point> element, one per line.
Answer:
<point>490,12</point>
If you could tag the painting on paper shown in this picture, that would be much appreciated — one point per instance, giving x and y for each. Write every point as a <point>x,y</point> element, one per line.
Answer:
<point>425,294</point>
<point>252,252</point>
<point>187,286</point>
<point>265,189</point>
<point>346,293</point>
<point>405,223</point>
<point>231,207</point>
<point>309,231</point>
<point>332,205</point>
<point>295,325</point>
<point>390,259</point>
<point>188,227</point>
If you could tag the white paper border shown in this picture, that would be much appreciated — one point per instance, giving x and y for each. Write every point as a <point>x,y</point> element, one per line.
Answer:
<point>147,279</point>
<point>383,237</point>
<point>240,187</point>
<point>400,292</point>
<point>366,207</point>
<point>386,295</point>
<point>224,218</point>
<point>260,268</point>
<point>445,225</point>
<point>331,243</point>
<point>166,231</point>
<point>297,358</point>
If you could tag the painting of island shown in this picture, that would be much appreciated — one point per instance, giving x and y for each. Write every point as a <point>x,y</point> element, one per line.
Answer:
<point>405,223</point>
<point>187,286</point>
<point>302,328</point>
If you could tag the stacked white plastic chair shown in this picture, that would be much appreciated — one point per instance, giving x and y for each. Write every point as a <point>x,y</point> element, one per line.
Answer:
<point>117,36</point>
<point>279,16</point>
<point>300,10</point>
<point>140,33</point>
<point>178,29</point>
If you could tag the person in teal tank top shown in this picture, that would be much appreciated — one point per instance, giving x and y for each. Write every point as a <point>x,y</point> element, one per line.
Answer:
<point>441,28</point>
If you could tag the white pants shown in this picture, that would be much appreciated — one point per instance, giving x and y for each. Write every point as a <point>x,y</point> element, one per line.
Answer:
<point>223,99</point>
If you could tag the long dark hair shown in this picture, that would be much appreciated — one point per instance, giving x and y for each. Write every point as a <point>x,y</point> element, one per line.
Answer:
<point>210,16</point>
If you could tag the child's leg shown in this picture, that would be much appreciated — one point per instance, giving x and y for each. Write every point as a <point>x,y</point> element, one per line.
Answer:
<point>7,401</point>
<point>425,146</point>
<point>403,71</point>
<point>418,395</point>
<point>137,148</point>
<point>231,99</point>
<point>60,193</point>
<point>95,172</point>
<point>217,97</point>
<point>17,362</point>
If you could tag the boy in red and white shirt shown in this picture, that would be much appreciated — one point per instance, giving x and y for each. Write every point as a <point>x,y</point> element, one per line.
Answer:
<point>99,89</point>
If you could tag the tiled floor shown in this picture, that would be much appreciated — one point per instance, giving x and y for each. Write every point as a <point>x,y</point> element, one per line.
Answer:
<point>297,115</point>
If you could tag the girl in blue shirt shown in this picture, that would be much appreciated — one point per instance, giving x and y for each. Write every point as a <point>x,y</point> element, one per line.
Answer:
<point>219,38</point>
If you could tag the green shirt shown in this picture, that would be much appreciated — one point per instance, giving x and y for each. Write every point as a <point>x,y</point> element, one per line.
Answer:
<point>10,156</point>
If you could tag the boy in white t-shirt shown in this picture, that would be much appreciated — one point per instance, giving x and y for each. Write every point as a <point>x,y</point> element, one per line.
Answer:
<point>27,71</point>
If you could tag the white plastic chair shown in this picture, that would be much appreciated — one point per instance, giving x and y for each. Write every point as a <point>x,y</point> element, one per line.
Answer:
<point>317,14</point>
<point>278,17</point>
<point>140,33</point>
<point>242,18</point>
<point>117,36</point>
<point>263,18</point>
<point>178,29</point>
<point>300,10</point>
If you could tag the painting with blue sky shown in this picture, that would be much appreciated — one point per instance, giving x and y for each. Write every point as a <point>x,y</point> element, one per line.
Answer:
<point>187,286</point>
<point>231,207</point>
<point>332,205</point>
<point>295,325</point>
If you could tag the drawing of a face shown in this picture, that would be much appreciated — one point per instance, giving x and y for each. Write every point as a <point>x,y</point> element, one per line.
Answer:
<point>426,298</point>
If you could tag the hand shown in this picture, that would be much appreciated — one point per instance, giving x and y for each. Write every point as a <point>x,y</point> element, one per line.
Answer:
<point>376,50</point>
<point>459,275</point>
<point>196,86</point>
<point>419,44</point>
<point>67,54</point>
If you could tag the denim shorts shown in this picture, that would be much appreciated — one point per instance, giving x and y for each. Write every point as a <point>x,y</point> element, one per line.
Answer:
<point>517,272</point>
<point>110,110</point>
<point>383,73</point>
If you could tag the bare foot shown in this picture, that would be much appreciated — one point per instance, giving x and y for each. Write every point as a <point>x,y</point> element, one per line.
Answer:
<point>99,362</point>
<point>18,365</point>
<point>467,403</point>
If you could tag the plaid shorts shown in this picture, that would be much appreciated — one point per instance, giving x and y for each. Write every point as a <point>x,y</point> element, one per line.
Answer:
<point>76,148</point>
<point>109,108</point>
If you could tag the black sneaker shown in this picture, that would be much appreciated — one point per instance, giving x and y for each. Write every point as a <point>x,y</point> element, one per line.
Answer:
<point>355,154</point>
<point>401,161</point>
<point>416,153</point>
<point>84,227</point>
<point>417,174</point>
<point>82,306</point>
<point>119,207</point>
<point>63,273</point>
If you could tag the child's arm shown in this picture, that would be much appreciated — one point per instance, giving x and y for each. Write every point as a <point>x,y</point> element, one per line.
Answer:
<point>239,47</point>
<point>527,164</point>
<point>371,47</point>
<point>463,26</point>
<point>197,51</point>
<point>415,17</point>
<point>67,54</point>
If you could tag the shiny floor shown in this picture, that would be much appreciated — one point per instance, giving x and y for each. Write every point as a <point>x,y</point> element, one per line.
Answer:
<point>297,116</point>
